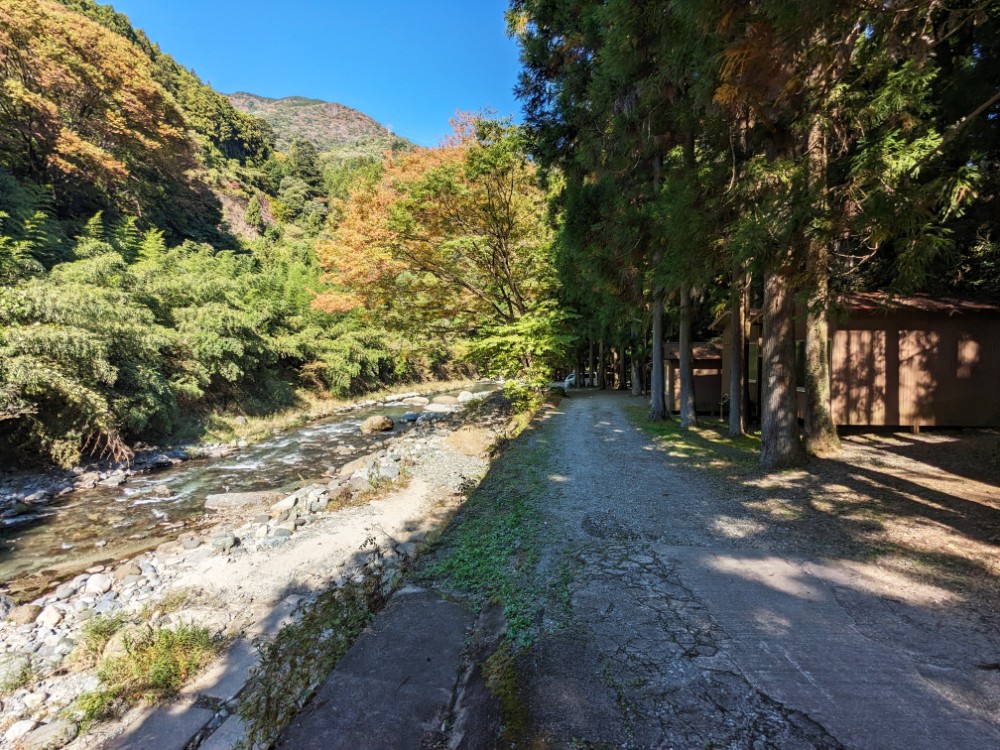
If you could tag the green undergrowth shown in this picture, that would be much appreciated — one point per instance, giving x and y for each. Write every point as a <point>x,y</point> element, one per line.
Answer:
<point>705,446</point>
<point>490,553</point>
<point>151,664</point>
<point>306,650</point>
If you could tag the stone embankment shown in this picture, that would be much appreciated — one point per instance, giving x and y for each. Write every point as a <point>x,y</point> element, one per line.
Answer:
<point>244,573</point>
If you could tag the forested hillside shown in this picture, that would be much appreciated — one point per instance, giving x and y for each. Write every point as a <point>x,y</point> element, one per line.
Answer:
<point>327,125</point>
<point>158,247</point>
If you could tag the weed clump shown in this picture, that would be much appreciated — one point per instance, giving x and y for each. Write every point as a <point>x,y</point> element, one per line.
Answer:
<point>153,664</point>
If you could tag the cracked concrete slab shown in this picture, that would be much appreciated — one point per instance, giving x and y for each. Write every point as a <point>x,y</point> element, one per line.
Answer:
<point>795,642</point>
<point>395,683</point>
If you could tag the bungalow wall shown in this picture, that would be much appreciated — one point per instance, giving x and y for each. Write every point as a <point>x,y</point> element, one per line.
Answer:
<point>914,368</point>
<point>707,370</point>
<point>904,367</point>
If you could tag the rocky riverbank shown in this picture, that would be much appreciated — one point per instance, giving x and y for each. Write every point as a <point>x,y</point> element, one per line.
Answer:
<point>24,493</point>
<point>259,554</point>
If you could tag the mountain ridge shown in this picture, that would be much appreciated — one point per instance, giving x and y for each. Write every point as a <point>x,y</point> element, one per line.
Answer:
<point>327,125</point>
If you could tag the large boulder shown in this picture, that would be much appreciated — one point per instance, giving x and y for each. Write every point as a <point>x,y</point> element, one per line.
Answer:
<point>416,401</point>
<point>378,423</point>
<point>24,614</point>
<point>226,500</point>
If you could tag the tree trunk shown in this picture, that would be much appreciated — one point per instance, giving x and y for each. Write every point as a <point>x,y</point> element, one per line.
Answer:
<point>601,366</point>
<point>779,424</point>
<point>590,367</point>
<point>736,417</point>
<point>636,374</point>
<point>821,434</point>
<point>579,370</point>
<point>622,378</point>
<point>689,416</point>
<point>657,384</point>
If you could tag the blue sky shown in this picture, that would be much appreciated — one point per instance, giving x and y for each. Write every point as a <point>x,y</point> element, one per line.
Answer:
<point>407,63</point>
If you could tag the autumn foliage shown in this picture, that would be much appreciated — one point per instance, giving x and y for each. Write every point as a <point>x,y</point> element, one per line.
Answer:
<point>80,110</point>
<point>451,236</point>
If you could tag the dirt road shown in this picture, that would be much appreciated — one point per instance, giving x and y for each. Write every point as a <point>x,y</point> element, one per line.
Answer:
<point>709,610</point>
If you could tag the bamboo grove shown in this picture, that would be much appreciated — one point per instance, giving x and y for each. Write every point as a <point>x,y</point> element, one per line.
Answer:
<point>717,155</point>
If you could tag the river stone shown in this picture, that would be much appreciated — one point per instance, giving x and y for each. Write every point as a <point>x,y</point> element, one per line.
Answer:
<point>128,569</point>
<point>225,542</point>
<point>114,480</point>
<point>416,401</point>
<point>281,532</point>
<point>25,614</point>
<point>49,617</point>
<point>240,499</point>
<point>88,479</point>
<point>191,542</point>
<point>377,423</point>
<point>6,605</point>
<point>65,591</point>
<point>99,583</point>
<point>18,729</point>
<point>466,396</point>
<point>391,471</point>
<point>356,465</point>
<point>410,416</point>
<point>438,408</point>
<point>287,504</point>
<point>319,504</point>
<point>448,400</point>
<point>338,490</point>
<point>34,701</point>
<point>51,736</point>
<point>161,490</point>
<point>360,483</point>
<point>36,497</point>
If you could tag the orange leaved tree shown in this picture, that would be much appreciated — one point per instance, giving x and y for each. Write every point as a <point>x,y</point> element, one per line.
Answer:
<point>453,241</point>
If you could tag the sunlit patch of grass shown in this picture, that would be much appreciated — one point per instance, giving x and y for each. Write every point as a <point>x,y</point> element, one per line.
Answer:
<point>706,446</point>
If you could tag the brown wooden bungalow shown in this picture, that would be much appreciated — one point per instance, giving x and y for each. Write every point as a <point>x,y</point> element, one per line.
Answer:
<point>909,361</point>
<point>708,384</point>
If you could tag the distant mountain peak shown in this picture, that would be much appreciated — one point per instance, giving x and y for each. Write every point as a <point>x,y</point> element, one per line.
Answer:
<point>327,125</point>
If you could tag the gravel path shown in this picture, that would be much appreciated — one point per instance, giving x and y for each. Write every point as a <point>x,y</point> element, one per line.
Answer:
<point>710,610</point>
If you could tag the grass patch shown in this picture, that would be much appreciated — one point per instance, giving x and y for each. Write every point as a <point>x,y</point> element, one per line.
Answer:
<point>703,446</point>
<point>22,676</point>
<point>153,665</point>
<point>491,552</point>
<point>95,636</point>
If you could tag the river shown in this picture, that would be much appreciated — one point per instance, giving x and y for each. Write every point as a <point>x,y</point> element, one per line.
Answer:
<point>94,526</point>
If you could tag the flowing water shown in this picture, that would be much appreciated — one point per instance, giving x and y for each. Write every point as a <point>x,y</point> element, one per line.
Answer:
<point>101,524</point>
